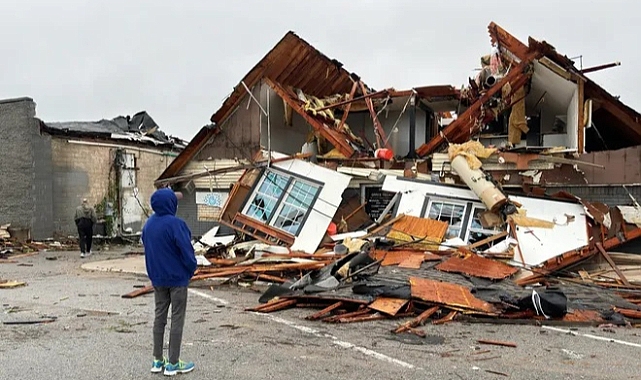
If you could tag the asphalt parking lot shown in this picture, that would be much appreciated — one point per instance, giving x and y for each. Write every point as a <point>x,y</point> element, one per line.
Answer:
<point>97,334</point>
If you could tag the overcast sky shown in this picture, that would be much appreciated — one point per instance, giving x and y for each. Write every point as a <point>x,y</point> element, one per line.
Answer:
<point>178,60</point>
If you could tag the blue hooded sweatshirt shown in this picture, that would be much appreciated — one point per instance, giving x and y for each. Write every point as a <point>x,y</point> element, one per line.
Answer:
<point>169,255</point>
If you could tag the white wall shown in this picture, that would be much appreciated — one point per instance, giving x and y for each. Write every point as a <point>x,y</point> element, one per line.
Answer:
<point>284,138</point>
<point>399,140</point>
<point>537,245</point>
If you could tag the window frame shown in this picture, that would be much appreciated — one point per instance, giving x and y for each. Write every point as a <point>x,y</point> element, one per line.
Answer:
<point>454,202</point>
<point>281,202</point>
<point>470,229</point>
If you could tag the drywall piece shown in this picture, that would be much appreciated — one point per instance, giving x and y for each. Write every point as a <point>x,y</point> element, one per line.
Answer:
<point>537,245</point>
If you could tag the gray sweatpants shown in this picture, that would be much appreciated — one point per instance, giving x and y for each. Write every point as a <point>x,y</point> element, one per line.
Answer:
<point>177,298</point>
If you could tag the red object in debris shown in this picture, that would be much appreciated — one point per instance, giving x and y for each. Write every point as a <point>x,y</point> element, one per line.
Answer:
<point>331,230</point>
<point>385,154</point>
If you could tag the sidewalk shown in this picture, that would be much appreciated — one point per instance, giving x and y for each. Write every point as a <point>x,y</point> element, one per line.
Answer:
<point>132,265</point>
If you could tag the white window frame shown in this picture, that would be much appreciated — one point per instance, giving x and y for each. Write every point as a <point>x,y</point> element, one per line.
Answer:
<point>470,229</point>
<point>282,201</point>
<point>451,202</point>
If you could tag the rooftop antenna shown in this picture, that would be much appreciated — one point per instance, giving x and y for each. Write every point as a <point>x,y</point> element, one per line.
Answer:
<point>580,58</point>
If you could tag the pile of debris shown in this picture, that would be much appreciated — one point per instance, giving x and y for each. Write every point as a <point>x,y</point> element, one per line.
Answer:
<point>14,245</point>
<point>366,230</point>
<point>525,258</point>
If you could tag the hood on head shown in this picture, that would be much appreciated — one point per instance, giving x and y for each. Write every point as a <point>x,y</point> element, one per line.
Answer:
<point>164,202</point>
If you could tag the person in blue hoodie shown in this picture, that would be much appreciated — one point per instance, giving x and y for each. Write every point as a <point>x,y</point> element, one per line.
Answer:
<point>170,262</point>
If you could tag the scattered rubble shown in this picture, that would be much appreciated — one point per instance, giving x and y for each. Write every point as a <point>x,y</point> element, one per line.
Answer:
<point>468,226</point>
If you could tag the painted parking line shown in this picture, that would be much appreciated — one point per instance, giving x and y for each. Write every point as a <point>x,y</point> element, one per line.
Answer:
<point>590,336</point>
<point>310,331</point>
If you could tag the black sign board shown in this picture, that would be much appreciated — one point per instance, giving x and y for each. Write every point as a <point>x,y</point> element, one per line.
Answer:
<point>377,200</point>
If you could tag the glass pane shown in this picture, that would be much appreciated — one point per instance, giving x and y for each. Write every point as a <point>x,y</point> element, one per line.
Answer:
<point>476,225</point>
<point>448,212</point>
<point>295,206</point>
<point>266,196</point>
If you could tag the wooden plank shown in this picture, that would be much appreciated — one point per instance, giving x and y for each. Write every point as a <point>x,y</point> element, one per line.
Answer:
<point>378,128</point>
<point>466,121</point>
<point>417,321</point>
<point>607,257</point>
<point>271,304</point>
<point>477,266</point>
<point>349,106</point>
<point>448,318</point>
<point>453,295</point>
<point>271,278</point>
<point>581,124</point>
<point>337,139</point>
<point>487,240</point>
<point>139,292</point>
<point>413,261</point>
<point>383,226</point>
<point>388,305</point>
<point>335,318</point>
<point>362,318</point>
<point>325,311</point>
<point>278,306</point>
<point>496,343</point>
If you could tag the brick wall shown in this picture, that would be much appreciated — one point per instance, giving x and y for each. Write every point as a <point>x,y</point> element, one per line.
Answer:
<point>83,171</point>
<point>25,196</point>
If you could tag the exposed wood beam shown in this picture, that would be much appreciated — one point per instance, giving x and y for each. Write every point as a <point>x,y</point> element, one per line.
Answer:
<point>466,121</point>
<point>507,41</point>
<point>581,124</point>
<point>337,139</point>
<point>378,128</point>
<point>349,106</point>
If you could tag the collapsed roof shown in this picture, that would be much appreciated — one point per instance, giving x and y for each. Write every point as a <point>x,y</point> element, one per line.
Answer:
<point>310,83</point>
<point>139,128</point>
<point>543,72</point>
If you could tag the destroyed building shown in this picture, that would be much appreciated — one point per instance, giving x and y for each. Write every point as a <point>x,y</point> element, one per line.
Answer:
<point>579,138</point>
<point>50,167</point>
<point>527,176</point>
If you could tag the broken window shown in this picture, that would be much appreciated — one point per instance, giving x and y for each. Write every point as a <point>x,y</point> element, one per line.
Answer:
<point>450,212</point>
<point>476,231</point>
<point>282,201</point>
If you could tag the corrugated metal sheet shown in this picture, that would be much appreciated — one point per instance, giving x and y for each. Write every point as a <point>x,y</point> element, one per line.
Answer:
<point>220,181</point>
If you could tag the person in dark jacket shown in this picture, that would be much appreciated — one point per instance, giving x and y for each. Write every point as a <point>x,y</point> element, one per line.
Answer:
<point>85,218</point>
<point>170,262</point>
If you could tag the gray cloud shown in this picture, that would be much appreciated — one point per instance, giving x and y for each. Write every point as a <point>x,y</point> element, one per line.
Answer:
<point>85,60</point>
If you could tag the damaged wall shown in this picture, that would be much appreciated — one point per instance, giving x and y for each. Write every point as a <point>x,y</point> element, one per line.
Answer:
<point>399,138</point>
<point>623,166</point>
<point>26,198</point>
<point>610,195</point>
<point>240,133</point>
<point>285,138</point>
<point>188,211</point>
<point>83,171</point>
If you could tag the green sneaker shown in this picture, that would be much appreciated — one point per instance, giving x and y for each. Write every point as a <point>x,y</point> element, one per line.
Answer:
<point>158,365</point>
<point>180,367</point>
